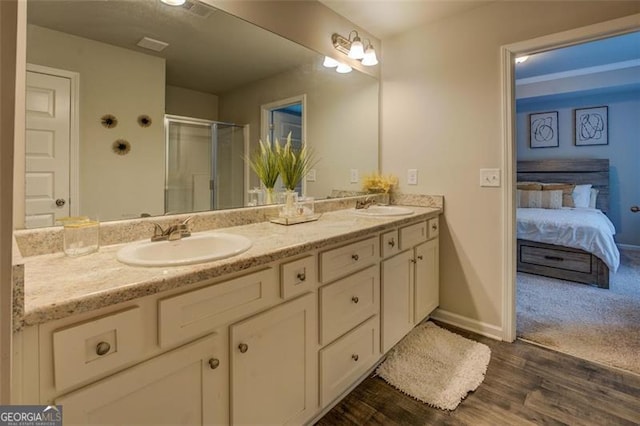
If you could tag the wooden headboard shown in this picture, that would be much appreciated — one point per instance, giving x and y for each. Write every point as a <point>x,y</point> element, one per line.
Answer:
<point>593,171</point>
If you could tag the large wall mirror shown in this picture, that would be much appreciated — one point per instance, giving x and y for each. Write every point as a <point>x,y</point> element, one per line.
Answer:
<point>137,108</point>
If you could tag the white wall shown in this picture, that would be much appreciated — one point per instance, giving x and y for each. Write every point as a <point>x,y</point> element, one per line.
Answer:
<point>342,124</point>
<point>191,103</point>
<point>623,150</point>
<point>125,84</point>
<point>441,113</point>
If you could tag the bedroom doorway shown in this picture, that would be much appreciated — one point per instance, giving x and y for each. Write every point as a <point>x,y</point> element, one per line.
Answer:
<point>540,323</point>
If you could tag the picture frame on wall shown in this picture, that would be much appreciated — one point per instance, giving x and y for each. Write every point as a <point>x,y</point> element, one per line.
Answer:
<point>592,126</point>
<point>543,130</point>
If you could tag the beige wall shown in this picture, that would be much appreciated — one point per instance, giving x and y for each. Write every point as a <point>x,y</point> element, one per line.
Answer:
<point>441,113</point>
<point>191,103</point>
<point>342,125</point>
<point>125,84</point>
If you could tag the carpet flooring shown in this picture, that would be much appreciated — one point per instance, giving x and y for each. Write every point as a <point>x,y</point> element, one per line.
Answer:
<point>588,322</point>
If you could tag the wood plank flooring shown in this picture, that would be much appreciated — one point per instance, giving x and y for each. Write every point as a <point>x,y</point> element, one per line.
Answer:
<point>525,385</point>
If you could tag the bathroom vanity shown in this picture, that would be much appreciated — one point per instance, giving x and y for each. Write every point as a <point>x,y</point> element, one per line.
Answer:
<point>276,335</point>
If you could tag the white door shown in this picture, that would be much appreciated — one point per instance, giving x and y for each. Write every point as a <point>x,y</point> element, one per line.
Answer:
<point>48,123</point>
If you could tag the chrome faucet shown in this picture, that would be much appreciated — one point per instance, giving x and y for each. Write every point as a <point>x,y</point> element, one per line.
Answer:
<point>366,203</point>
<point>173,232</point>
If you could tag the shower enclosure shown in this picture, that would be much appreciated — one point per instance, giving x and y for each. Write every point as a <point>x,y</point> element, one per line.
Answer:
<point>205,167</point>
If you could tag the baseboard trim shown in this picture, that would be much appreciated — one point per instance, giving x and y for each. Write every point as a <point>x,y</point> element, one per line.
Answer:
<point>468,324</point>
<point>628,247</point>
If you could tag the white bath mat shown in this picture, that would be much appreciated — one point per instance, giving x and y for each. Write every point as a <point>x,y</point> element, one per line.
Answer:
<point>436,366</point>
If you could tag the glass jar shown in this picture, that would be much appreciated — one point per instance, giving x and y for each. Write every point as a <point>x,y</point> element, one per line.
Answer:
<point>81,235</point>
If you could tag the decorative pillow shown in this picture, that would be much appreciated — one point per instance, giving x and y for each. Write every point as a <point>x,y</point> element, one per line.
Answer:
<point>539,199</point>
<point>593,198</point>
<point>567,191</point>
<point>581,196</point>
<point>529,186</point>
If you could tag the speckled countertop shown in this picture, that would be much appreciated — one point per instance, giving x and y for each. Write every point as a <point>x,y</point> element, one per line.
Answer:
<point>57,286</point>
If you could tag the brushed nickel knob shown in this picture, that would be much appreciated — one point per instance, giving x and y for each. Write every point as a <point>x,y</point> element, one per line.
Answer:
<point>60,202</point>
<point>355,257</point>
<point>392,242</point>
<point>413,261</point>
<point>214,363</point>
<point>420,257</point>
<point>355,299</point>
<point>434,227</point>
<point>243,347</point>
<point>301,276</point>
<point>103,348</point>
<point>355,357</point>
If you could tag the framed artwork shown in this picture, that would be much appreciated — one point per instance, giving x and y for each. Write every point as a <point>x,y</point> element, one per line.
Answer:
<point>543,130</point>
<point>592,126</point>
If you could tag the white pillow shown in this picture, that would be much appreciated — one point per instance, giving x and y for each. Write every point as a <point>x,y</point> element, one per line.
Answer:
<point>593,198</point>
<point>581,196</point>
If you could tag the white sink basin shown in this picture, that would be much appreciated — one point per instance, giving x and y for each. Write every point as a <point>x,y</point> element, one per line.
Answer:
<point>194,249</point>
<point>384,211</point>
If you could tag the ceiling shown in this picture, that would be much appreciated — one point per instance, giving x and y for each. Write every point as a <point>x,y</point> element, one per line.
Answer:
<point>386,18</point>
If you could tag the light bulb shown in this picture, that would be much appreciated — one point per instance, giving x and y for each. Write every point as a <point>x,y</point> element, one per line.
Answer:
<point>330,62</point>
<point>174,2</point>
<point>357,49</point>
<point>343,68</point>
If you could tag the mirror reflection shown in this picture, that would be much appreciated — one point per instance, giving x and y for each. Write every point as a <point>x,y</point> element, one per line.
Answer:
<point>137,108</point>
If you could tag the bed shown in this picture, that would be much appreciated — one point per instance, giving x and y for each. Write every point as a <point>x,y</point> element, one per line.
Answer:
<point>572,244</point>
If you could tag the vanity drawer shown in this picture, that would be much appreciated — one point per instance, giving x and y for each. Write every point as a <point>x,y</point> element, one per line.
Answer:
<point>560,259</point>
<point>348,358</point>
<point>95,347</point>
<point>190,315</point>
<point>347,302</point>
<point>297,277</point>
<point>433,226</point>
<point>344,260</point>
<point>389,244</point>
<point>412,235</point>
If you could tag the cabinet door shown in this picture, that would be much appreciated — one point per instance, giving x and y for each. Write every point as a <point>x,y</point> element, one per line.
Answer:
<point>427,285</point>
<point>274,365</point>
<point>397,298</point>
<point>186,386</point>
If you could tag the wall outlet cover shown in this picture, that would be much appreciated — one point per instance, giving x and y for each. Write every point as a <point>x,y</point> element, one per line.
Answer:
<point>412,176</point>
<point>354,176</point>
<point>490,177</point>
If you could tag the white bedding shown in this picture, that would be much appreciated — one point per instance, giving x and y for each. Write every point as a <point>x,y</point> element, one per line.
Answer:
<point>586,229</point>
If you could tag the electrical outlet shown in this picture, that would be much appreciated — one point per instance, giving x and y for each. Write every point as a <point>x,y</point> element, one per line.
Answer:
<point>311,175</point>
<point>490,177</point>
<point>412,176</point>
<point>354,176</point>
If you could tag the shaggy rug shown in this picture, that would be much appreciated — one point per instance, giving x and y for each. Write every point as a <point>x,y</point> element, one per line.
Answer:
<point>436,366</point>
<point>588,322</point>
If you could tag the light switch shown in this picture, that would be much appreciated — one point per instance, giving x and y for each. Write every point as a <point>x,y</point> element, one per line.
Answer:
<point>490,177</point>
<point>311,175</point>
<point>354,176</point>
<point>412,176</point>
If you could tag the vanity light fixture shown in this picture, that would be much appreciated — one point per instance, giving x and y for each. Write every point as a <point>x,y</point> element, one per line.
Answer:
<point>343,69</point>
<point>174,2</point>
<point>330,62</point>
<point>354,48</point>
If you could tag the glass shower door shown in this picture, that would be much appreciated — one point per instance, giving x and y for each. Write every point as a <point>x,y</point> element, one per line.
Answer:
<point>228,166</point>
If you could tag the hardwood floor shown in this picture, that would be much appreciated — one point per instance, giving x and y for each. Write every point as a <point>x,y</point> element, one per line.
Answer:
<point>525,384</point>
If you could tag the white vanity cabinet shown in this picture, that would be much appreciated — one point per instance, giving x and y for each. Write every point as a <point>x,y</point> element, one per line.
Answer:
<point>183,386</point>
<point>274,368</point>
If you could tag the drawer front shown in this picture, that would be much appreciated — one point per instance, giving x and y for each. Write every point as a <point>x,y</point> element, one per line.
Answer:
<point>189,315</point>
<point>560,259</point>
<point>344,260</point>
<point>87,350</point>
<point>347,302</point>
<point>348,358</point>
<point>433,226</point>
<point>389,244</point>
<point>412,235</point>
<point>297,277</point>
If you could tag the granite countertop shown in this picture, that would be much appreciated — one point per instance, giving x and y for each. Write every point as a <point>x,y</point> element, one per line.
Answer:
<point>57,286</point>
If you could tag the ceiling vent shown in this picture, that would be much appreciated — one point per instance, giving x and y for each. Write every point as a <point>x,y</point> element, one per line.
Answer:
<point>197,8</point>
<point>152,44</point>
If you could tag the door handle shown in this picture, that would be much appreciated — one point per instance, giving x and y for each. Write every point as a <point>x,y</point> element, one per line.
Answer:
<point>60,202</point>
<point>635,209</point>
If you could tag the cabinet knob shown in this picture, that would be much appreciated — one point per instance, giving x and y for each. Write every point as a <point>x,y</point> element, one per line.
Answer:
<point>355,299</point>
<point>214,363</point>
<point>413,261</point>
<point>392,242</point>
<point>355,257</point>
<point>434,227</point>
<point>103,348</point>
<point>420,257</point>
<point>355,357</point>
<point>243,347</point>
<point>301,276</point>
